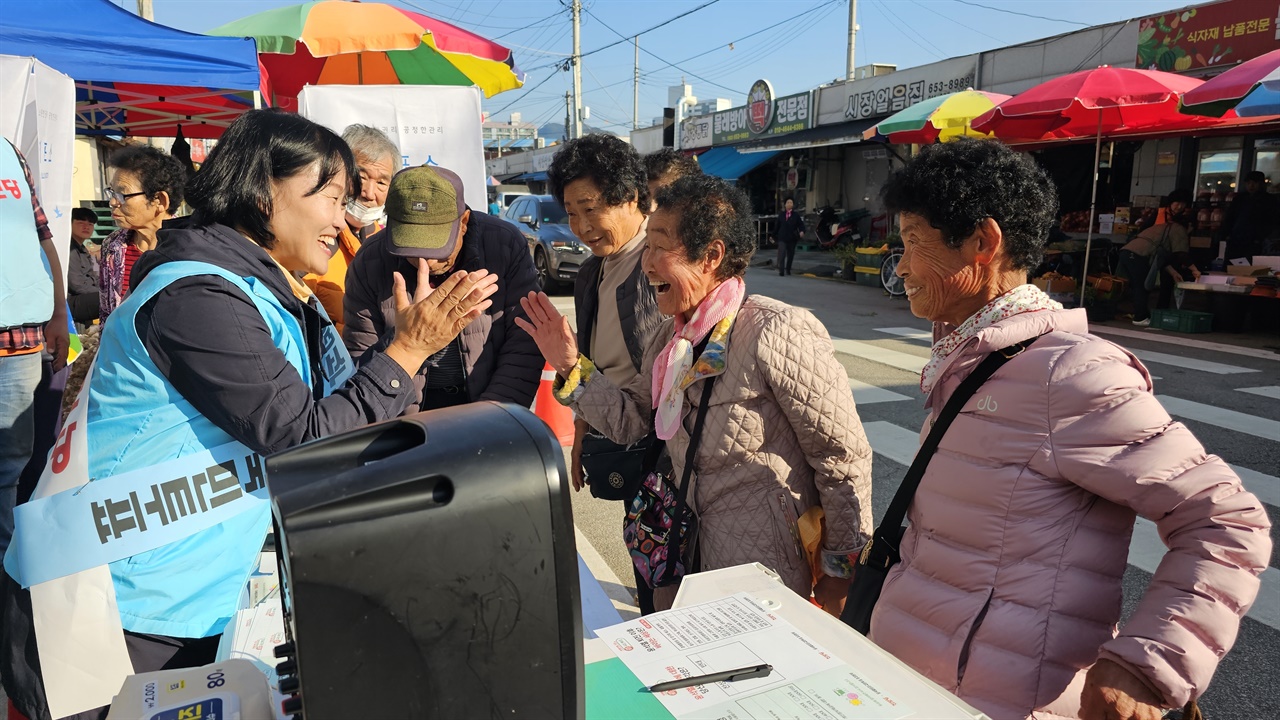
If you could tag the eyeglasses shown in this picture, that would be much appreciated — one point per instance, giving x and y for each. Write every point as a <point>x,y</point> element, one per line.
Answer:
<point>118,197</point>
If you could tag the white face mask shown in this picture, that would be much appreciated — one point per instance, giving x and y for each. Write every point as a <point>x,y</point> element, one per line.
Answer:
<point>364,216</point>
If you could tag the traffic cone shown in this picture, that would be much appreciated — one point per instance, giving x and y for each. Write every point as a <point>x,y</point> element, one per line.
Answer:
<point>557,417</point>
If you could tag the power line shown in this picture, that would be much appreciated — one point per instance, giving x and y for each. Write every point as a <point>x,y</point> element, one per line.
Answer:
<point>642,32</point>
<point>647,52</point>
<point>957,22</point>
<point>526,92</point>
<point>1015,12</point>
<point>1105,42</point>
<point>935,52</point>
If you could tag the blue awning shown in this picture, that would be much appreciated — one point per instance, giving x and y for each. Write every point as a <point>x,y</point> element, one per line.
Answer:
<point>728,163</point>
<point>134,76</point>
<point>526,177</point>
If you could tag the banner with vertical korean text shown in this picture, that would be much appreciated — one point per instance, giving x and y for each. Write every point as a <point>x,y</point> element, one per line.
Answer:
<point>38,116</point>
<point>431,124</point>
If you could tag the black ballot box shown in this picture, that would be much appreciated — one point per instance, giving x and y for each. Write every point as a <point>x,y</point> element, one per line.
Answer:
<point>428,570</point>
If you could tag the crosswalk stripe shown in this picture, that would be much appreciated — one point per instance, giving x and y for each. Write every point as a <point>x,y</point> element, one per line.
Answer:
<point>864,394</point>
<point>1266,487</point>
<point>892,441</point>
<point>899,445</point>
<point>1269,391</point>
<point>884,356</point>
<point>1223,418</point>
<point>1146,550</point>
<point>1149,356</point>
<point>908,332</point>
<point>1183,341</point>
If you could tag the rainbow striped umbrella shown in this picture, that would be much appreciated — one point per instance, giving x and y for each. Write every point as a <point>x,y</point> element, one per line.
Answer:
<point>941,118</point>
<point>333,42</point>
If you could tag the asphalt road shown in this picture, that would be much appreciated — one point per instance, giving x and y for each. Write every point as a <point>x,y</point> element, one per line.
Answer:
<point>1202,386</point>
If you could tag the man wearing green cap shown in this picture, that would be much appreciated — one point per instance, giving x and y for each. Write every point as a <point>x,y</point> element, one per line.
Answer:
<point>429,223</point>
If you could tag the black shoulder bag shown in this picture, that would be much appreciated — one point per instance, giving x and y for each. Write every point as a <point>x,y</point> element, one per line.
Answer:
<point>882,552</point>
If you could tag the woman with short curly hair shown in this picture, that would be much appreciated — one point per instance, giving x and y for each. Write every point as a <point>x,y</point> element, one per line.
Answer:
<point>1009,586</point>
<point>146,188</point>
<point>780,435</point>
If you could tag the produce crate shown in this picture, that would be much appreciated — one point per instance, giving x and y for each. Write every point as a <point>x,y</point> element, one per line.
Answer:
<point>867,264</point>
<point>1183,321</point>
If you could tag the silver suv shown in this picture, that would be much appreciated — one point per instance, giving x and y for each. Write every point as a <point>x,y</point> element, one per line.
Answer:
<point>557,253</point>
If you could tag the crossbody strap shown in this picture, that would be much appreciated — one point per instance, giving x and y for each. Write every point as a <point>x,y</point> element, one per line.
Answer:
<point>897,512</point>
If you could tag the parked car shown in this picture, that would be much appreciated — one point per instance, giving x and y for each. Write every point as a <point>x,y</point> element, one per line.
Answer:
<point>557,254</point>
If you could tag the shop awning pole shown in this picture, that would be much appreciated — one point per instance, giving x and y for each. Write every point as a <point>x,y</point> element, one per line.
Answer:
<point>1093,203</point>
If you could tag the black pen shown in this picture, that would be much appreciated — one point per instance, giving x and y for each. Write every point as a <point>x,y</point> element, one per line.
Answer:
<point>746,673</point>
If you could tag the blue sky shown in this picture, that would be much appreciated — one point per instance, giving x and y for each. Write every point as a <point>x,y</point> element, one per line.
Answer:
<point>795,44</point>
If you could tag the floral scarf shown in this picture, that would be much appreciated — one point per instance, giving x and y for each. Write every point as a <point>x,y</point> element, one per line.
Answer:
<point>111,272</point>
<point>1022,299</point>
<point>675,368</point>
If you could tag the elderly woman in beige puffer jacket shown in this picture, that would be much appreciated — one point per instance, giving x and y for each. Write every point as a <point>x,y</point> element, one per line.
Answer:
<point>781,432</point>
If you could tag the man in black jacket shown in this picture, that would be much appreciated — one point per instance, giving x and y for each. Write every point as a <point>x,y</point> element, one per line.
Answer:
<point>429,223</point>
<point>82,269</point>
<point>790,232</point>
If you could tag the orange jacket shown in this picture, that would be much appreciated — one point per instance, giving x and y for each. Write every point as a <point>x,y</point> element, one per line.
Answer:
<point>331,286</point>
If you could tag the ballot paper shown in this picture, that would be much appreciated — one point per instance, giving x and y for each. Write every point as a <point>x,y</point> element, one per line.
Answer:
<point>737,632</point>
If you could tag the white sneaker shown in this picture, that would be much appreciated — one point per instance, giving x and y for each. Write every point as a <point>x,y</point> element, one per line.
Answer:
<point>1143,323</point>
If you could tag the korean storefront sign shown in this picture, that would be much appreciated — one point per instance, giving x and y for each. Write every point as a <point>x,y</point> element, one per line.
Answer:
<point>887,94</point>
<point>1221,34</point>
<point>762,116</point>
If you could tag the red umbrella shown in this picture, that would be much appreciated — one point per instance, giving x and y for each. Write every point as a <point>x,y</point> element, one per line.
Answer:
<point>1093,103</point>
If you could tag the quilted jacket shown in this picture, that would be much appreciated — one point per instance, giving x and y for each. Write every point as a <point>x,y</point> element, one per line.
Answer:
<point>1009,587</point>
<point>781,435</point>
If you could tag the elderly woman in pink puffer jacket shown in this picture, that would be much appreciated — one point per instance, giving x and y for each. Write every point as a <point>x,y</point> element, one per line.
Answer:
<point>1009,588</point>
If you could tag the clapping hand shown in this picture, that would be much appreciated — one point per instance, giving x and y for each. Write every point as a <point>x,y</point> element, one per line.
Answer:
<point>551,331</point>
<point>433,317</point>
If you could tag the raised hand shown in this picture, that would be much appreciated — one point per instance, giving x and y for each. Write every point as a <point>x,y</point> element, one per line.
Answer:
<point>431,320</point>
<point>551,331</point>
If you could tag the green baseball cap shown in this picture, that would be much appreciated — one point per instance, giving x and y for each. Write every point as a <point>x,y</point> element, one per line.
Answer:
<point>424,212</point>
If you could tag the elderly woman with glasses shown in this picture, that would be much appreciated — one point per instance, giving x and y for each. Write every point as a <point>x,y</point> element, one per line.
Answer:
<point>1009,587</point>
<point>780,436</point>
<point>146,188</point>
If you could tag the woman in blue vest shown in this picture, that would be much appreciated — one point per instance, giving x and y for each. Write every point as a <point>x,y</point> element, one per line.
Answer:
<point>218,356</point>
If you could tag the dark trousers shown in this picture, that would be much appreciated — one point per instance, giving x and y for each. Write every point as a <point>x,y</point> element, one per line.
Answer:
<point>1136,267</point>
<point>786,254</point>
<point>20,662</point>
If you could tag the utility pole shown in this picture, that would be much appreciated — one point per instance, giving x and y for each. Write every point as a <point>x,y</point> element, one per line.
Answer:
<point>635,102</point>
<point>568,116</point>
<point>577,68</point>
<point>145,11</point>
<point>853,33</point>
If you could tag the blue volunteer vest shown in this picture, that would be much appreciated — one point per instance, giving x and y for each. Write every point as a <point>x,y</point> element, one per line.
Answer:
<point>137,419</point>
<point>26,281</point>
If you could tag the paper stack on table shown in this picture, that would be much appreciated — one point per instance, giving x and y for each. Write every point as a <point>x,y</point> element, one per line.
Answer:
<point>736,632</point>
<point>258,628</point>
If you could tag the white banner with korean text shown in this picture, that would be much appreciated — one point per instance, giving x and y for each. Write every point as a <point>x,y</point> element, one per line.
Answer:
<point>885,95</point>
<point>431,124</point>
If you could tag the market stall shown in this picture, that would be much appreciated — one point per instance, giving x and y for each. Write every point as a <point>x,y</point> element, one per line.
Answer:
<point>134,77</point>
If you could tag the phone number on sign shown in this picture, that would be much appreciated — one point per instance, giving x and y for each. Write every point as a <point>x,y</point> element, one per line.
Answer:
<point>949,86</point>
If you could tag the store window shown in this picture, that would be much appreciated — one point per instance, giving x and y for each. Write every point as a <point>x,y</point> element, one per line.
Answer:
<point>1267,160</point>
<point>1217,172</point>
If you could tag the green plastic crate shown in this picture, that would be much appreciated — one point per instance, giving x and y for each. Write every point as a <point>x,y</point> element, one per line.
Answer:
<point>1183,321</point>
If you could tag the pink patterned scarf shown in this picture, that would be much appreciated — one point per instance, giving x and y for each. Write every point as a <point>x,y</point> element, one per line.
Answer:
<point>1022,299</point>
<point>671,368</point>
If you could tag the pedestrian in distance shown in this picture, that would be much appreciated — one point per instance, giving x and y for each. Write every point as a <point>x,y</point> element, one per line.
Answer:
<point>377,158</point>
<point>790,233</point>
<point>781,434</point>
<point>82,269</point>
<point>431,230</point>
<point>219,352</point>
<point>146,188</point>
<point>1008,591</point>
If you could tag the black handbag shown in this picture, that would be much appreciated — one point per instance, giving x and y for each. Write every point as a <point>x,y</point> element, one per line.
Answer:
<point>613,471</point>
<point>882,552</point>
